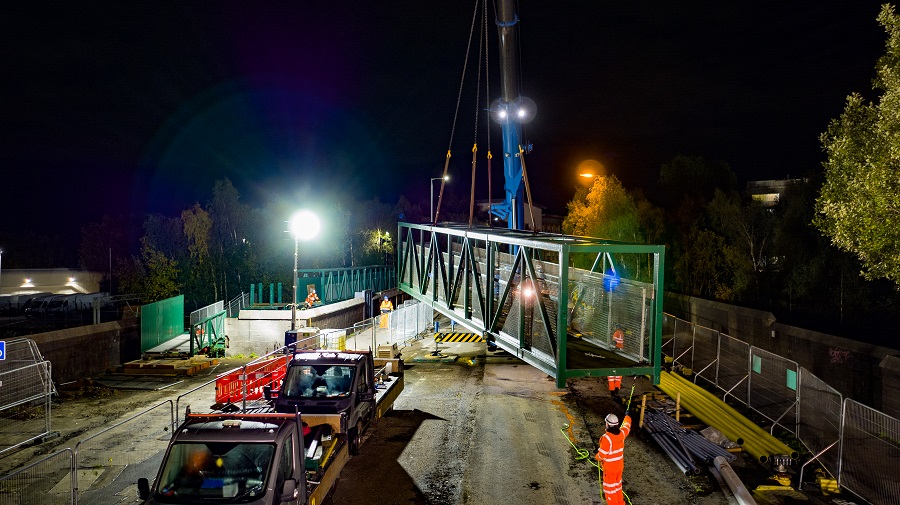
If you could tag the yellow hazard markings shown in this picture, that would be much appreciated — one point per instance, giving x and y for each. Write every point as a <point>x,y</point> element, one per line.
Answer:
<point>458,337</point>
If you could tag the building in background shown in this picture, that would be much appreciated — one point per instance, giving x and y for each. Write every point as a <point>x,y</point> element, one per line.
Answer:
<point>61,281</point>
<point>769,193</point>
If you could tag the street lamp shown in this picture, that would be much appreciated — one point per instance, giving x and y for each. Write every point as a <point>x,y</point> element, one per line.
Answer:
<point>304,225</point>
<point>431,187</point>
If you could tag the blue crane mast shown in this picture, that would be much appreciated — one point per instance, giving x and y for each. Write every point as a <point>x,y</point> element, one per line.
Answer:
<point>511,111</point>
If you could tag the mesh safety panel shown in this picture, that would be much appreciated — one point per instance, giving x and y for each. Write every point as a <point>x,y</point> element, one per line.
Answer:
<point>734,357</point>
<point>820,419</point>
<point>773,387</point>
<point>47,480</point>
<point>705,352</point>
<point>683,344</point>
<point>871,454</point>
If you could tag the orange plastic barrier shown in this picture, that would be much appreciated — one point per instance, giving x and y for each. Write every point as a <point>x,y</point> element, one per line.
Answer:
<point>230,386</point>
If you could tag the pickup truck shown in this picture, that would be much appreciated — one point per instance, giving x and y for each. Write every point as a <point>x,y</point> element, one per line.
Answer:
<point>290,448</point>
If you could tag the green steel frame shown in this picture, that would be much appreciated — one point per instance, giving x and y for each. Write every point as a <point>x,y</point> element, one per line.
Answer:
<point>460,271</point>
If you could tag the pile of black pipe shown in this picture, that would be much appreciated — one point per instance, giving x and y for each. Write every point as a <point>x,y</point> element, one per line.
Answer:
<point>684,447</point>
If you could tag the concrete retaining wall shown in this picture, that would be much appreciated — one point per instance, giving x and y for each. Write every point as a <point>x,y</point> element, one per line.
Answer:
<point>262,331</point>
<point>854,368</point>
<point>85,351</point>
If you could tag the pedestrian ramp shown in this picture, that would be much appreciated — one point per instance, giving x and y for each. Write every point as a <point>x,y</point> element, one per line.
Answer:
<point>458,337</point>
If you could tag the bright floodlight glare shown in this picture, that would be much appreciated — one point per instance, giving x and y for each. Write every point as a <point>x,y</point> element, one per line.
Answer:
<point>446,177</point>
<point>502,113</point>
<point>587,175</point>
<point>529,291</point>
<point>304,225</point>
<point>525,109</point>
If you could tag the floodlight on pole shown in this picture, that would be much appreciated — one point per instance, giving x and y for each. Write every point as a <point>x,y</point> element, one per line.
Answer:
<point>431,187</point>
<point>304,225</point>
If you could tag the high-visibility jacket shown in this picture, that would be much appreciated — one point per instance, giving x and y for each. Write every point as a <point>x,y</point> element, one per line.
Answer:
<point>386,305</point>
<point>612,448</point>
<point>619,338</point>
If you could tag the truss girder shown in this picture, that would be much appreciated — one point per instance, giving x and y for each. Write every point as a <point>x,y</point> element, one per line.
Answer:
<point>515,288</point>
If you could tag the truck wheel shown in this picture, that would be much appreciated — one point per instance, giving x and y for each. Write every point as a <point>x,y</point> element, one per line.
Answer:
<point>355,436</point>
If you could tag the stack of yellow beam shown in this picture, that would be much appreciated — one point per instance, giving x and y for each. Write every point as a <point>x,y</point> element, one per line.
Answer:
<point>716,413</point>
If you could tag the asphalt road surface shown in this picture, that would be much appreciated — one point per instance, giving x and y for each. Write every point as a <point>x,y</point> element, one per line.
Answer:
<point>468,432</point>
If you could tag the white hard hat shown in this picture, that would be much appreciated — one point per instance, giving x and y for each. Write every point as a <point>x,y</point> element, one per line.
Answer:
<point>612,420</point>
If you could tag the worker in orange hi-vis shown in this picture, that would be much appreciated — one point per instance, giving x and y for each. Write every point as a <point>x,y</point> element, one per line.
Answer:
<point>386,307</point>
<point>615,382</point>
<point>611,455</point>
<point>311,299</point>
<point>619,338</point>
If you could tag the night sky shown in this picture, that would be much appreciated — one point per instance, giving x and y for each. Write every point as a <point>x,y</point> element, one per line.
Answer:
<point>133,107</point>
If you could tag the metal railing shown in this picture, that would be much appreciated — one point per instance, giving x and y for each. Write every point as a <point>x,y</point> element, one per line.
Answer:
<point>148,437</point>
<point>25,395</point>
<point>241,301</point>
<point>207,312</point>
<point>42,482</point>
<point>859,446</point>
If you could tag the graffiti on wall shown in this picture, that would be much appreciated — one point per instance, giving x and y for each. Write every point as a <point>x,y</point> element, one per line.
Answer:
<point>840,356</point>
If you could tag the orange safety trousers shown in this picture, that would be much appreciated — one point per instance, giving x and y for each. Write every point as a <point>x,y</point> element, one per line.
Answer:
<point>615,381</point>
<point>612,454</point>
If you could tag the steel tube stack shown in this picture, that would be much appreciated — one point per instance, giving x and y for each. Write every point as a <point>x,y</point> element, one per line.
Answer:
<point>659,431</point>
<point>716,413</point>
<point>694,443</point>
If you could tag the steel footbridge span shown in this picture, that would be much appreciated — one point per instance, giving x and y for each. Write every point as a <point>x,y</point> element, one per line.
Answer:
<point>570,306</point>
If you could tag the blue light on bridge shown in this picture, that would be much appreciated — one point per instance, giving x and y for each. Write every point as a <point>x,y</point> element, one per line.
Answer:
<point>610,281</point>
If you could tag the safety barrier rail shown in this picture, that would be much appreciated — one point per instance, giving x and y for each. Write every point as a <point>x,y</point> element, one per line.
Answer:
<point>42,481</point>
<point>859,446</point>
<point>241,301</point>
<point>148,437</point>
<point>248,382</point>
<point>25,395</point>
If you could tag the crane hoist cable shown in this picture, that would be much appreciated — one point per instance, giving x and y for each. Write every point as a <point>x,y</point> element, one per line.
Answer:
<point>456,112</point>
<point>481,45</point>
<point>527,187</point>
<point>487,94</point>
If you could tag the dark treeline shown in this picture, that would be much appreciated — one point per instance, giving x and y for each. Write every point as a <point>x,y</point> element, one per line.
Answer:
<point>723,245</point>
<point>215,251</point>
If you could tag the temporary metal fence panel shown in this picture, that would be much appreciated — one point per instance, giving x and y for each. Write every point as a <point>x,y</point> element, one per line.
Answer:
<point>870,456</point>
<point>161,321</point>
<point>731,372</point>
<point>858,445</point>
<point>409,321</point>
<point>704,353</point>
<point>668,335</point>
<point>25,395</point>
<point>819,414</point>
<point>97,461</point>
<point>772,388</point>
<point>48,481</point>
<point>682,345</point>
